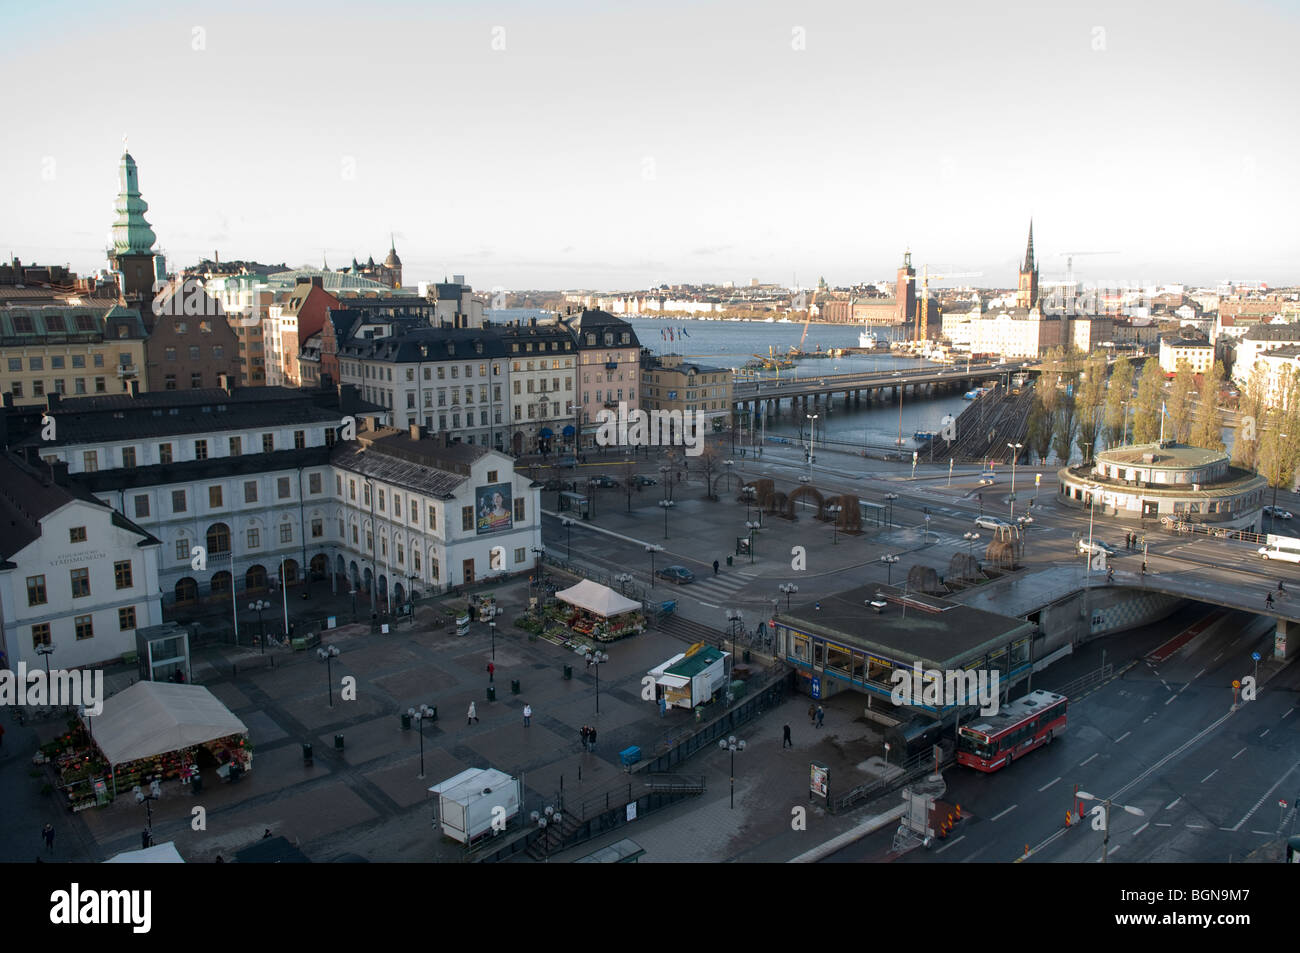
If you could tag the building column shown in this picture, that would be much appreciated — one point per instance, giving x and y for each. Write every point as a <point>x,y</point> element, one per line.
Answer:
<point>1280,639</point>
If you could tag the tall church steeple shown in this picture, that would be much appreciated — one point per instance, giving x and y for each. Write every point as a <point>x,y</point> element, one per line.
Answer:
<point>133,239</point>
<point>1027,287</point>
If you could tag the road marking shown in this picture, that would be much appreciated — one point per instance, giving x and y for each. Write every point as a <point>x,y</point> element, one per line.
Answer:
<point>1217,657</point>
<point>1112,850</point>
<point>1047,785</point>
<point>1159,824</point>
<point>1196,827</point>
<point>1225,828</point>
<point>1265,833</point>
<point>1122,737</point>
<point>1237,755</point>
<point>1264,796</point>
<point>1210,775</point>
<point>1171,698</point>
<point>1266,731</point>
<point>1288,713</point>
<point>1165,684</point>
<point>1198,675</point>
<point>710,605</point>
<point>1172,804</point>
<point>969,858</point>
<point>951,843</point>
<point>1090,757</point>
<point>1007,811</point>
<point>1141,829</point>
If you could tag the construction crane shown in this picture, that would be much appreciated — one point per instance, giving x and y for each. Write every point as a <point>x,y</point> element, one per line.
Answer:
<point>923,307</point>
<point>1069,257</point>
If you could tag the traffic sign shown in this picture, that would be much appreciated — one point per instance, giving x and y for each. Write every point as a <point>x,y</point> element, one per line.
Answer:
<point>1255,656</point>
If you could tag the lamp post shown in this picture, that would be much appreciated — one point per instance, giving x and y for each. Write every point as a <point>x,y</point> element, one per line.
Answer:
<point>46,649</point>
<point>624,579</point>
<point>653,548</point>
<point>970,543</point>
<point>594,659</point>
<point>729,464</point>
<point>568,526</point>
<point>537,568</point>
<point>1087,572</point>
<point>834,512</point>
<point>549,816</point>
<point>410,597</point>
<point>666,505</point>
<point>492,624</point>
<point>155,793</point>
<point>665,479</point>
<point>889,559</point>
<point>748,493</point>
<point>423,712</point>
<point>1105,843</point>
<point>90,729</point>
<point>812,443</point>
<point>789,589</point>
<point>259,606</point>
<point>734,618</point>
<point>751,526</point>
<point>1015,457</point>
<point>733,745</point>
<point>329,654</point>
<point>889,503</point>
<point>1023,522</point>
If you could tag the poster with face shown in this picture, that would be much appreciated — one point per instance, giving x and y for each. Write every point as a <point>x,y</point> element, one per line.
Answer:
<point>492,508</point>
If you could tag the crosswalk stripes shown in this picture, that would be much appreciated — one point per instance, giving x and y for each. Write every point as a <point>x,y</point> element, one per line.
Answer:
<point>717,587</point>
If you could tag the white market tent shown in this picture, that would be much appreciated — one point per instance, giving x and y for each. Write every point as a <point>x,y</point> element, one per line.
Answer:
<point>153,718</point>
<point>158,854</point>
<point>597,599</point>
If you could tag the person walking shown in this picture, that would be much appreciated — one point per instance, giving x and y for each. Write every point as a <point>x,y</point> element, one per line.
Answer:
<point>715,567</point>
<point>473,714</point>
<point>583,733</point>
<point>492,669</point>
<point>821,715</point>
<point>591,739</point>
<point>812,714</point>
<point>2,736</point>
<point>47,835</point>
<point>528,716</point>
<point>785,738</point>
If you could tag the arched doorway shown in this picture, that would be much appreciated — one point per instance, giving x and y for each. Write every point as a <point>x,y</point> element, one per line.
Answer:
<point>221,582</point>
<point>319,566</point>
<point>381,593</point>
<point>517,442</point>
<point>255,578</point>
<point>399,595</point>
<point>218,538</point>
<point>290,572</point>
<point>368,581</point>
<point>187,589</point>
<point>354,575</point>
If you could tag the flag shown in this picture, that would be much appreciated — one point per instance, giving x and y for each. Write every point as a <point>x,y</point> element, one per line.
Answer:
<point>684,334</point>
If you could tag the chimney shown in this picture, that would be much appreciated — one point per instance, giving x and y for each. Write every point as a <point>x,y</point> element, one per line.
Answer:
<point>415,431</point>
<point>59,471</point>
<point>133,385</point>
<point>318,281</point>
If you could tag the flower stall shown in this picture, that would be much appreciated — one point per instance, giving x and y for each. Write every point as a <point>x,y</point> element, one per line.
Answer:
<point>600,613</point>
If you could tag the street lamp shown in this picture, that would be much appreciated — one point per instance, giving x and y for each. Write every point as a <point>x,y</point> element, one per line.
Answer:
<point>789,589</point>
<point>1015,456</point>
<point>594,659</point>
<point>492,625</point>
<point>733,745</point>
<point>653,548</point>
<point>751,526</point>
<point>748,493</point>
<point>329,654</point>
<point>419,715</point>
<point>624,579</point>
<point>666,480</point>
<point>970,543</point>
<point>666,505</point>
<point>812,441</point>
<point>734,618</point>
<point>155,793</point>
<point>834,512</point>
<point>549,816</point>
<point>46,649</point>
<point>568,525</point>
<point>889,559</point>
<point>1105,843</point>
<point>259,607</point>
<point>889,502</point>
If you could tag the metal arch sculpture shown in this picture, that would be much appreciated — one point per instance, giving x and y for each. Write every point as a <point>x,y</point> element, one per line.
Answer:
<point>776,504</point>
<point>1001,553</point>
<point>924,579</point>
<point>964,567</point>
<point>850,516</point>
<point>807,490</point>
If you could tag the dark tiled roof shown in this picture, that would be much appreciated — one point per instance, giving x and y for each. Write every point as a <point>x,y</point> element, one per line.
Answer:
<point>431,344</point>
<point>1274,332</point>
<point>379,462</point>
<point>213,468</point>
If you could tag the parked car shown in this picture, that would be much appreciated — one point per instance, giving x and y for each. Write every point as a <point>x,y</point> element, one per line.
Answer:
<point>643,480</point>
<point>569,462</point>
<point>1277,513</point>
<point>676,574</point>
<point>604,479</point>
<point>991,523</point>
<point>1096,546</point>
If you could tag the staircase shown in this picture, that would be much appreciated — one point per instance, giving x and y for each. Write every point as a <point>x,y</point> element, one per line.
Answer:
<point>691,632</point>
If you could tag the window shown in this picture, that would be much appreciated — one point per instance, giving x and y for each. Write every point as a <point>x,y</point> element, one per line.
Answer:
<point>80,583</point>
<point>182,549</point>
<point>250,491</point>
<point>128,458</point>
<point>254,537</point>
<point>77,534</point>
<point>331,435</point>
<point>141,506</point>
<point>15,364</point>
<point>492,476</point>
<point>122,574</point>
<point>218,352</point>
<point>164,453</point>
<point>214,496</point>
<point>90,461</point>
<point>268,442</point>
<point>170,354</point>
<point>200,449</point>
<point>38,388</point>
<point>17,388</point>
<point>169,382</point>
<point>521,554</point>
<point>519,511</point>
<point>178,501</point>
<point>381,501</point>
<point>313,483</point>
<point>433,517</point>
<point>282,487</point>
<point>99,360</point>
<point>397,505</point>
<point>317,527</point>
<point>85,627</point>
<point>467,518</point>
<point>196,381</point>
<point>299,439</point>
<point>236,446</point>
<point>286,532</point>
<point>40,634</point>
<point>126,618</point>
<point>79,385</point>
<point>36,591</point>
<point>218,537</point>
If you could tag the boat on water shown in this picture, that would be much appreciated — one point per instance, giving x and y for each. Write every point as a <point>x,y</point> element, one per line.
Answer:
<point>867,339</point>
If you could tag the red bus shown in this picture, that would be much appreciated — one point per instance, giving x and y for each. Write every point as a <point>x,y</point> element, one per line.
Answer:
<point>993,741</point>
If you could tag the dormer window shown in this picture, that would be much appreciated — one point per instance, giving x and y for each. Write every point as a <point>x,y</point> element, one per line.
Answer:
<point>591,340</point>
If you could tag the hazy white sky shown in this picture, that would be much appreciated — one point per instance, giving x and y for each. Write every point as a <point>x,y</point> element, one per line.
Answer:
<point>618,145</point>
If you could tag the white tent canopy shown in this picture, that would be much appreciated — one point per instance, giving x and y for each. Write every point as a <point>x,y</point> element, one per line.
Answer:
<point>153,718</point>
<point>158,854</point>
<point>601,600</point>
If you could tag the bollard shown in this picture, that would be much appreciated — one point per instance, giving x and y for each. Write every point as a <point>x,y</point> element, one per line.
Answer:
<point>306,753</point>
<point>568,672</point>
<point>338,742</point>
<point>514,686</point>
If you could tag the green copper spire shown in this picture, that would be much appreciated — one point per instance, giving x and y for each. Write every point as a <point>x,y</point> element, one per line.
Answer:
<point>131,233</point>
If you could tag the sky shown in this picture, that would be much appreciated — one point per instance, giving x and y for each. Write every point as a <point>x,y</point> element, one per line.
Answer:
<point>619,145</point>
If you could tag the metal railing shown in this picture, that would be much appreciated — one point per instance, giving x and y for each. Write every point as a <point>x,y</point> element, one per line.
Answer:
<point>919,765</point>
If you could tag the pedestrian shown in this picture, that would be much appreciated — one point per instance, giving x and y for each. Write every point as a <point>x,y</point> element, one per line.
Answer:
<point>583,733</point>
<point>1268,601</point>
<point>715,567</point>
<point>47,834</point>
<point>1280,587</point>
<point>473,714</point>
<point>812,714</point>
<point>266,833</point>
<point>591,740</point>
<point>1110,574</point>
<point>528,716</point>
<point>2,736</point>
<point>492,669</point>
<point>219,860</point>
<point>785,740</point>
<point>821,715</point>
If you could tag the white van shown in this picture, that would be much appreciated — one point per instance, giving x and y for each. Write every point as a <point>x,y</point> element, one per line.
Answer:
<point>1281,547</point>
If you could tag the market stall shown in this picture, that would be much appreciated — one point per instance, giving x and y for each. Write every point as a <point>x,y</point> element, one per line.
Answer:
<point>601,613</point>
<point>151,730</point>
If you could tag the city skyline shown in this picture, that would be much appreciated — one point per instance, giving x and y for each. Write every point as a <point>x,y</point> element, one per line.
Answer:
<point>534,152</point>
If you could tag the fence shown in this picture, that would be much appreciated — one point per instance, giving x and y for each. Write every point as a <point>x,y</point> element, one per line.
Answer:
<point>919,765</point>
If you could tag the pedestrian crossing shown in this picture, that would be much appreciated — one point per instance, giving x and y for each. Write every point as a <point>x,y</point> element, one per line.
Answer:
<point>715,590</point>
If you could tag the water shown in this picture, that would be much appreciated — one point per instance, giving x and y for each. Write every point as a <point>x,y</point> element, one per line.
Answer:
<point>731,343</point>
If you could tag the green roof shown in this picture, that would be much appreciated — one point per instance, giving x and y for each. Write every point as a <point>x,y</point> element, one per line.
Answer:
<point>695,664</point>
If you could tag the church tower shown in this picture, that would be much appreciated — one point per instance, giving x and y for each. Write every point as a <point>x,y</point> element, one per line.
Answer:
<point>393,265</point>
<point>905,291</point>
<point>132,255</point>
<point>1027,289</point>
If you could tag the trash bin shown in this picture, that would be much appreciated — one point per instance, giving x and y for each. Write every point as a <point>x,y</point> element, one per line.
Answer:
<point>196,783</point>
<point>406,722</point>
<point>746,656</point>
<point>568,672</point>
<point>728,560</point>
<point>338,742</point>
<point>514,686</point>
<point>492,693</point>
<point>306,753</point>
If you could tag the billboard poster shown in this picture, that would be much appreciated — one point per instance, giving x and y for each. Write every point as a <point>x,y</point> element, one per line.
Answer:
<point>820,778</point>
<point>492,508</point>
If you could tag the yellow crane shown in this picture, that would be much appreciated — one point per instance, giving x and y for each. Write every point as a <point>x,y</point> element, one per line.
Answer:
<point>923,305</point>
